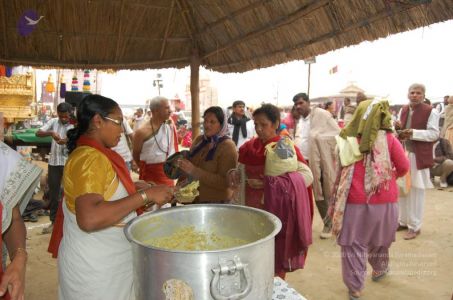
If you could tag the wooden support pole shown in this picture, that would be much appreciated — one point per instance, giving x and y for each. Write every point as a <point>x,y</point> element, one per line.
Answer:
<point>195,92</point>
<point>1,126</point>
<point>309,75</point>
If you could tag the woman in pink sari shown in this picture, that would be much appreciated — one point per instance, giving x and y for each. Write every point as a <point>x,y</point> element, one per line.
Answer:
<point>287,195</point>
<point>365,207</point>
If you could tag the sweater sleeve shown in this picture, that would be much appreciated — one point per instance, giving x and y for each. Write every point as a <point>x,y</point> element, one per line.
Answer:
<point>397,156</point>
<point>226,160</point>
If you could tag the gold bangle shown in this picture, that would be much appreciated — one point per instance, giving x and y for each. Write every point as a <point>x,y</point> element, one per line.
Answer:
<point>18,250</point>
<point>146,201</point>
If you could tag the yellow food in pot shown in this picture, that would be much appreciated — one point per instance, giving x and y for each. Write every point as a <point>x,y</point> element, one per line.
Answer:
<point>190,239</point>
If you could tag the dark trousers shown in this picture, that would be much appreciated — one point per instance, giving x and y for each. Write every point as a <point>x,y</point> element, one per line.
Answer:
<point>323,206</point>
<point>55,174</point>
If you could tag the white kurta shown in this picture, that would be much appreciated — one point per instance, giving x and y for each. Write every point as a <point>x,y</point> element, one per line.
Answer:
<point>411,205</point>
<point>250,126</point>
<point>303,134</point>
<point>96,265</point>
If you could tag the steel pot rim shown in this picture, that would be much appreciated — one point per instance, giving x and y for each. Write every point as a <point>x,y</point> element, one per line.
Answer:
<point>271,217</point>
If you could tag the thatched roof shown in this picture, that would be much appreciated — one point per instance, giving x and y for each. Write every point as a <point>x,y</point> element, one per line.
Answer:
<point>229,35</point>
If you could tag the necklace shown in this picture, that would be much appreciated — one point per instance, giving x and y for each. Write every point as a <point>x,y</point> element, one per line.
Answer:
<point>157,143</point>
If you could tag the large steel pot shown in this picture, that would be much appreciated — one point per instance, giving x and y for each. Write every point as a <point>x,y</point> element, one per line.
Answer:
<point>244,272</point>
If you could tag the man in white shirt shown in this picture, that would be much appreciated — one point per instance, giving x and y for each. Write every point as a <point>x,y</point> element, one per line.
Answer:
<point>57,129</point>
<point>315,136</point>
<point>138,119</point>
<point>418,128</point>
<point>123,146</point>
<point>441,110</point>
<point>240,127</point>
<point>177,115</point>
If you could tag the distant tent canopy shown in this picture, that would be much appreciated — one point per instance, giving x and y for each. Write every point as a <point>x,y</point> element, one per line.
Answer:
<point>224,36</point>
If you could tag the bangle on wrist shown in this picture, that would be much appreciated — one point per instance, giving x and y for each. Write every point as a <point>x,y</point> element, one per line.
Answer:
<point>17,251</point>
<point>146,201</point>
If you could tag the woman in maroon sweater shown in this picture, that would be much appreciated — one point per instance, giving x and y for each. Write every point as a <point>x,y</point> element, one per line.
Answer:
<point>365,211</point>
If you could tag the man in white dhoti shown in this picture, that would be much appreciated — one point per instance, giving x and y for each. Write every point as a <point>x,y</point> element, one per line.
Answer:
<point>154,142</point>
<point>418,126</point>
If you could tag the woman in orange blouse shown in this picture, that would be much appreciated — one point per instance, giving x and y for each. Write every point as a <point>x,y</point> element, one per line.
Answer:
<point>95,258</point>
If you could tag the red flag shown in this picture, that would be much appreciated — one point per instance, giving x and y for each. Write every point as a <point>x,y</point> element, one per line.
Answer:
<point>333,70</point>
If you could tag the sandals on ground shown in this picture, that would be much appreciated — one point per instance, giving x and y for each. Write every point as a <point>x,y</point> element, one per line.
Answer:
<point>379,275</point>
<point>30,218</point>
<point>354,295</point>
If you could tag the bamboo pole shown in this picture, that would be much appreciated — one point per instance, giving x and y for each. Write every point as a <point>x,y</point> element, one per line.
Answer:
<point>309,75</point>
<point>195,92</point>
<point>1,126</point>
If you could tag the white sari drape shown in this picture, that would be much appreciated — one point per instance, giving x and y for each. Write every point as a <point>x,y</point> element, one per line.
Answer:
<point>18,181</point>
<point>96,265</point>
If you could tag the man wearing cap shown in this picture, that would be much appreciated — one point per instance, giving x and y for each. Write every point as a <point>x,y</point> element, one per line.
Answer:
<point>240,127</point>
<point>315,136</point>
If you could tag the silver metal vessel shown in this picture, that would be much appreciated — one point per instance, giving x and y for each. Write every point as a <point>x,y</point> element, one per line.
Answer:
<point>243,272</point>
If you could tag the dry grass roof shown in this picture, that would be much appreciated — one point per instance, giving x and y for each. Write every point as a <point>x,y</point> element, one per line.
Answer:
<point>228,35</point>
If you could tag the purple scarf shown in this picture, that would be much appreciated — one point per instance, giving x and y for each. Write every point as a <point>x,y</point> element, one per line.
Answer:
<point>213,141</point>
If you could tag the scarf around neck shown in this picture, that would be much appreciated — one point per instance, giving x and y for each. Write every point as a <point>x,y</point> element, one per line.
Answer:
<point>239,124</point>
<point>213,141</point>
<point>121,170</point>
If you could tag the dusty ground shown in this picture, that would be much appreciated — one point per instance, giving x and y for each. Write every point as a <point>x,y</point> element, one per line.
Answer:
<point>421,268</point>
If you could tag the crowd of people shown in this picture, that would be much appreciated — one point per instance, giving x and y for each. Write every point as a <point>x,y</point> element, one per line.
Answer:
<point>367,180</point>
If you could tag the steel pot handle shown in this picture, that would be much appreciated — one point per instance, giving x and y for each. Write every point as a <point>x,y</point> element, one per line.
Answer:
<point>230,268</point>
